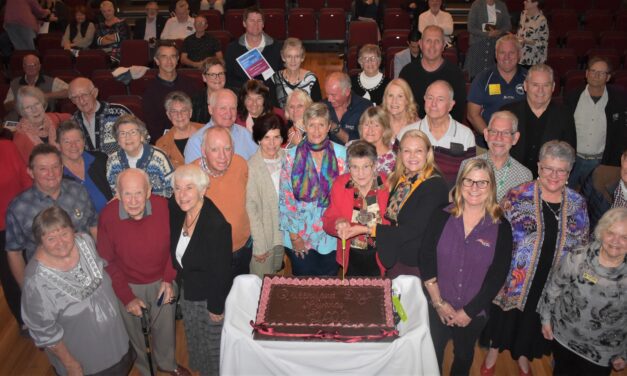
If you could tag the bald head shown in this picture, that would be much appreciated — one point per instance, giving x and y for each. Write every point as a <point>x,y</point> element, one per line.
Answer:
<point>217,149</point>
<point>31,65</point>
<point>84,95</point>
<point>338,88</point>
<point>223,108</point>
<point>133,191</point>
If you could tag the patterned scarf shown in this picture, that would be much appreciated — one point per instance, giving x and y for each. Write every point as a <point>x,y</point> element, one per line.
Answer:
<point>404,188</point>
<point>308,185</point>
<point>620,194</point>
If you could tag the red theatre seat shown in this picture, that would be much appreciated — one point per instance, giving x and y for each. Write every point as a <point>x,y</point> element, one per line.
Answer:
<point>214,19</point>
<point>275,23</point>
<point>395,18</point>
<point>233,22</point>
<point>316,5</point>
<point>332,24</point>
<point>90,60</point>
<point>362,32</point>
<point>134,52</point>
<point>302,24</point>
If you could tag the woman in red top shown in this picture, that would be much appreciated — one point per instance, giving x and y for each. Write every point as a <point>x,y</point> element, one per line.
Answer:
<point>357,204</point>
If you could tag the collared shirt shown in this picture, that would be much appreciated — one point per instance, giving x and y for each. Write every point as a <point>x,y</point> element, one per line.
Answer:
<point>456,133</point>
<point>73,198</point>
<point>468,259</point>
<point>512,174</point>
<point>591,123</point>
<point>105,117</point>
<point>243,142</point>
<point>90,125</point>
<point>97,197</point>
<point>350,120</point>
<point>490,90</point>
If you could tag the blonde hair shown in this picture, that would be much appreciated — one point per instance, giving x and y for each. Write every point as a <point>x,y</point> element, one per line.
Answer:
<point>412,106</point>
<point>293,43</point>
<point>297,94</point>
<point>491,204</point>
<point>378,115</point>
<point>610,217</point>
<point>429,168</point>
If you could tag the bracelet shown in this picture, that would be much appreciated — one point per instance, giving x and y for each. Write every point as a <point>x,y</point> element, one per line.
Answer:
<point>438,304</point>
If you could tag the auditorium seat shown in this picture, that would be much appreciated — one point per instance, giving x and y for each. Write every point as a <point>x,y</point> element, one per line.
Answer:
<point>351,58</point>
<point>223,36</point>
<point>272,4</point>
<point>301,24</point>
<point>514,6</point>
<point>561,60</point>
<point>362,32</point>
<point>394,38</point>
<point>132,102</point>
<point>332,24</point>
<point>274,24</point>
<point>573,80</point>
<point>214,19</point>
<point>56,59</point>
<point>581,41</point>
<point>451,55</point>
<point>395,18</point>
<point>316,5</point>
<point>611,5</point>
<point>610,54</point>
<point>561,21</point>
<point>234,22</point>
<point>550,5</point>
<point>580,6</point>
<point>66,75</point>
<point>621,20</point>
<point>597,20</point>
<point>107,85</point>
<point>90,60</point>
<point>613,39</point>
<point>138,86</point>
<point>344,4</point>
<point>389,60</point>
<point>50,41</point>
<point>134,52</point>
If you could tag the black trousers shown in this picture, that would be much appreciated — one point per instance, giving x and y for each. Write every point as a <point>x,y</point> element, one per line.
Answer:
<point>463,341</point>
<point>571,364</point>
<point>11,289</point>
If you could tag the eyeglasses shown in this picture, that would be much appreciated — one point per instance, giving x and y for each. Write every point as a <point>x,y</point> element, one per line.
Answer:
<point>178,112</point>
<point>481,184</point>
<point>548,171</point>
<point>504,134</point>
<point>597,72</point>
<point>215,75</point>
<point>293,57</point>
<point>131,133</point>
<point>82,96</point>
<point>369,59</point>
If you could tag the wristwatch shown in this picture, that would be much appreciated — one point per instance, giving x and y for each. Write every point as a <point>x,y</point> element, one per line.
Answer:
<point>335,130</point>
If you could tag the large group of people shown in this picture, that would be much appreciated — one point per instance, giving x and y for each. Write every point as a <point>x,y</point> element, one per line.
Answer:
<point>109,220</point>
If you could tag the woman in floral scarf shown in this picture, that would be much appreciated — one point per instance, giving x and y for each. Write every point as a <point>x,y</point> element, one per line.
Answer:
<point>305,184</point>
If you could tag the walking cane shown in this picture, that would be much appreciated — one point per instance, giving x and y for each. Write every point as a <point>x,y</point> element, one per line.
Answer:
<point>146,330</point>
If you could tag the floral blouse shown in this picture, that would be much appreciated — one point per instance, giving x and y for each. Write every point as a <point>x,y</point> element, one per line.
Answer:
<point>304,218</point>
<point>386,163</point>
<point>533,28</point>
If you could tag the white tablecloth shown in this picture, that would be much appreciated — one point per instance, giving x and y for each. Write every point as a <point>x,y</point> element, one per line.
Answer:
<point>411,354</point>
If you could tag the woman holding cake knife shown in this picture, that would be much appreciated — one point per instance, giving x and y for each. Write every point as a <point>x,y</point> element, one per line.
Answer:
<point>475,242</point>
<point>358,202</point>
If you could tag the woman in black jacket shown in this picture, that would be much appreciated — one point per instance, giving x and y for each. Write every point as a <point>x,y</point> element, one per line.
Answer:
<point>417,189</point>
<point>200,243</point>
<point>86,167</point>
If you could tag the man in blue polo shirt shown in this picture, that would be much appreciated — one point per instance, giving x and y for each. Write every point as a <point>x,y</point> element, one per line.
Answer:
<point>344,109</point>
<point>496,86</point>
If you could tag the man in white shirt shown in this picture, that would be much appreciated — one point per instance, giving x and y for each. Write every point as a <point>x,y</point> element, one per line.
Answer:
<point>452,141</point>
<point>181,25</point>
<point>600,116</point>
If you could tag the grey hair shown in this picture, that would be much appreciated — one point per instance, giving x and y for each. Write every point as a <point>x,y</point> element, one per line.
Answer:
<point>211,130</point>
<point>177,96</point>
<point>50,219</point>
<point>507,115</point>
<point>361,149</point>
<point>610,217</point>
<point>144,174</point>
<point>193,173</point>
<point>316,110</point>
<point>130,119</point>
<point>559,150</point>
<point>29,91</point>
<point>69,125</point>
<point>343,80</point>
<point>213,97</point>
<point>448,86</point>
<point>540,68</point>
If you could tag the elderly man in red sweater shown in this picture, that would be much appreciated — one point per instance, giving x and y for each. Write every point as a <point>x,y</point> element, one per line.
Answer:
<point>135,241</point>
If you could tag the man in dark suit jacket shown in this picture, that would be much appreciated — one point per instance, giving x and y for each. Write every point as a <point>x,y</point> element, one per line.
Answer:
<point>539,118</point>
<point>152,25</point>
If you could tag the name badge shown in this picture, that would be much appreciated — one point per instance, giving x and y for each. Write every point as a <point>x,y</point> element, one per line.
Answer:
<point>494,89</point>
<point>590,278</point>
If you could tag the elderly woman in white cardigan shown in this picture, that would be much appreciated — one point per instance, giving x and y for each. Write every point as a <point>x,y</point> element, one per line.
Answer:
<point>262,198</point>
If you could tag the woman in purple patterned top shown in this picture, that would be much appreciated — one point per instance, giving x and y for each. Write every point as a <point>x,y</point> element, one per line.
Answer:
<point>464,261</point>
<point>374,127</point>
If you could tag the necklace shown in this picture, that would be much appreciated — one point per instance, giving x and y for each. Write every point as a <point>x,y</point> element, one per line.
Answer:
<point>287,74</point>
<point>555,213</point>
<point>186,227</point>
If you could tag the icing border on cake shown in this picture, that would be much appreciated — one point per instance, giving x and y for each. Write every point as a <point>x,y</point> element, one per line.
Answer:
<point>270,281</point>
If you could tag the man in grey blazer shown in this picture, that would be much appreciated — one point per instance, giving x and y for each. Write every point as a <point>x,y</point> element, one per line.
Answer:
<point>409,54</point>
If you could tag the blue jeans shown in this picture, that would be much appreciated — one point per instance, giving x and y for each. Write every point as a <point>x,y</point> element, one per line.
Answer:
<point>313,263</point>
<point>581,170</point>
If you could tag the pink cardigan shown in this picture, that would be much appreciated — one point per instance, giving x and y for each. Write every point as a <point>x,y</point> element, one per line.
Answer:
<point>341,206</point>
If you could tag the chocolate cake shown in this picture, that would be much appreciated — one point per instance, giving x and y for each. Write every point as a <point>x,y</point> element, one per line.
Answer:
<point>325,309</point>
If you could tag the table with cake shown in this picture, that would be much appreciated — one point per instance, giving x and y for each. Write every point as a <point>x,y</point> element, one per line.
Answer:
<point>320,325</point>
